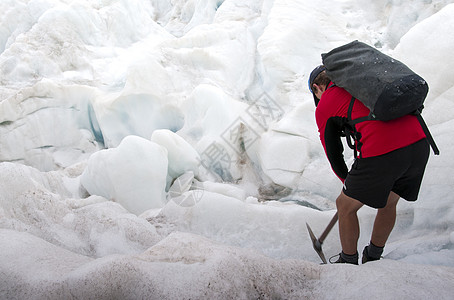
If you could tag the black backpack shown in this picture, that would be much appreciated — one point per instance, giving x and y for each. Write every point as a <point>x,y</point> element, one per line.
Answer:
<point>383,84</point>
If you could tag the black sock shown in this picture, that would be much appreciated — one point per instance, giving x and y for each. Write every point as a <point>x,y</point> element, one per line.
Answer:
<point>374,251</point>
<point>351,259</point>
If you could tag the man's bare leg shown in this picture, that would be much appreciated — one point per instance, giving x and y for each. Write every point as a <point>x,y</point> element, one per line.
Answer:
<point>384,221</point>
<point>347,208</point>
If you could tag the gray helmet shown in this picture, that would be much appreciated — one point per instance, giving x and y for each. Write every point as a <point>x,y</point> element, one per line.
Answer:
<point>312,77</point>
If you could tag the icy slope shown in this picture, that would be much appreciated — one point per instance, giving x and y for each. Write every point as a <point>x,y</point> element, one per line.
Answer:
<point>143,143</point>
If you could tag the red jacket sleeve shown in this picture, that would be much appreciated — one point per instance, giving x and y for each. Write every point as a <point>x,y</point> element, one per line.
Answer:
<point>330,130</point>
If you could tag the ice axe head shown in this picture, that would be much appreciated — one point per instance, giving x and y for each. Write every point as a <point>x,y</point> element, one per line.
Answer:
<point>317,244</point>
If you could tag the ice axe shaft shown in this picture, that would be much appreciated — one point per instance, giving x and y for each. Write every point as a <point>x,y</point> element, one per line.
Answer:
<point>317,243</point>
<point>328,229</point>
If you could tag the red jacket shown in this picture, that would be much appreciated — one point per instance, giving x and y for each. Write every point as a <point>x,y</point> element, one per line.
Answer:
<point>377,137</point>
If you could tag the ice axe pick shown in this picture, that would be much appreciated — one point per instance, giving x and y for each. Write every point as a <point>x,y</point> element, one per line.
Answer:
<point>317,243</point>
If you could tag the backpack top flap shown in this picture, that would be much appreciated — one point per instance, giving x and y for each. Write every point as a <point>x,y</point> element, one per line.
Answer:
<point>383,84</point>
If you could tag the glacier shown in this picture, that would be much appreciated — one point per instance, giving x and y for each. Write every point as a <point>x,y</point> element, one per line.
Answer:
<point>167,149</point>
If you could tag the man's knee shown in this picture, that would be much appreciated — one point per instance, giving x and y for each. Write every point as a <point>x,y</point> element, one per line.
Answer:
<point>393,198</point>
<point>391,203</point>
<point>346,204</point>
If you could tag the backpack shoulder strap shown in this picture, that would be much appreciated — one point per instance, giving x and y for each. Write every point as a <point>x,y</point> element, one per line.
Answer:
<point>350,131</point>
<point>352,122</point>
<point>427,133</point>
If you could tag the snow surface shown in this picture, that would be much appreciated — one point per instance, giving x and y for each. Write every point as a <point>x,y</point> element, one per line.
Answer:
<point>167,149</point>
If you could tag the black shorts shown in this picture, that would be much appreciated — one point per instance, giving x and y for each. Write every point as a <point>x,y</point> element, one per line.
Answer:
<point>371,179</point>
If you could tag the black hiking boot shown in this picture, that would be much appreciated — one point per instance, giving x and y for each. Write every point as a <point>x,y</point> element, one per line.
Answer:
<point>344,259</point>
<point>366,256</point>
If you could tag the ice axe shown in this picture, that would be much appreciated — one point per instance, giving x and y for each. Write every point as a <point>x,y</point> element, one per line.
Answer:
<point>317,243</point>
